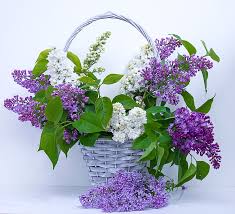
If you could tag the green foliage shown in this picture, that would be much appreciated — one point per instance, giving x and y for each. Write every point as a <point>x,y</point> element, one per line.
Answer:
<point>205,108</point>
<point>205,78</point>
<point>149,153</point>
<point>89,123</point>
<point>203,169</point>
<point>141,142</point>
<point>104,110</point>
<point>93,96</point>
<point>211,53</point>
<point>189,100</point>
<point>89,139</point>
<point>48,142</point>
<point>54,110</point>
<point>40,67</point>
<point>188,46</point>
<point>214,56</point>
<point>43,55</point>
<point>126,101</point>
<point>188,175</point>
<point>112,78</point>
<point>76,61</point>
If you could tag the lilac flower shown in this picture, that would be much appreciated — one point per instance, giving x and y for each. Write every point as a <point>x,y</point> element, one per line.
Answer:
<point>70,135</point>
<point>193,131</point>
<point>127,191</point>
<point>25,79</point>
<point>73,99</point>
<point>27,109</point>
<point>167,80</point>
<point>166,46</point>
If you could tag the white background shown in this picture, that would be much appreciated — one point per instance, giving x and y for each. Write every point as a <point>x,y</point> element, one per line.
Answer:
<point>28,26</point>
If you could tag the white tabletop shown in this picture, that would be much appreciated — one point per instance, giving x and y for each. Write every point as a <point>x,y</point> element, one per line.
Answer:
<point>56,200</point>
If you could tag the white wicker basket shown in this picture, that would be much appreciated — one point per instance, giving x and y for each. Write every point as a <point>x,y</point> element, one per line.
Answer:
<point>108,156</point>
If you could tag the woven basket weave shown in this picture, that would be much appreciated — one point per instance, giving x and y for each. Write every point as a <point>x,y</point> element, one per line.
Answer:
<point>107,156</point>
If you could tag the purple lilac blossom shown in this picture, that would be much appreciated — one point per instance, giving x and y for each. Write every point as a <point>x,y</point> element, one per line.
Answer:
<point>193,131</point>
<point>73,99</point>
<point>127,191</point>
<point>70,135</point>
<point>25,79</point>
<point>28,110</point>
<point>167,80</point>
<point>166,46</point>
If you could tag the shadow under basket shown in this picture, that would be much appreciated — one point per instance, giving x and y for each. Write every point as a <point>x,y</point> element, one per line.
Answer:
<point>107,157</point>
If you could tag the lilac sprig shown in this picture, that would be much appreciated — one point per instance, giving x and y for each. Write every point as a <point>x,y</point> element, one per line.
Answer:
<point>167,80</point>
<point>166,46</point>
<point>127,191</point>
<point>193,131</point>
<point>25,79</point>
<point>27,109</point>
<point>73,99</point>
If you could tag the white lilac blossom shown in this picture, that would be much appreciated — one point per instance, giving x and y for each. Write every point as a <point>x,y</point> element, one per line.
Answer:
<point>95,52</point>
<point>60,68</point>
<point>132,81</point>
<point>127,127</point>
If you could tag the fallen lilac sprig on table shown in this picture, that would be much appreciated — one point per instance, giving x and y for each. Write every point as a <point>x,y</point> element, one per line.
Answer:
<point>127,191</point>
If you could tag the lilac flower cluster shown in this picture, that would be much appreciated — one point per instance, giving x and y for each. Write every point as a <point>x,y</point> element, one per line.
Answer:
<point>167,80</point>
<point>28,110</point>
<point>25,79</point>
<point>193,131</point>
<point>74,100</point>
<point>166,46</point>
<point>70,135</point>
<point>127,191</point>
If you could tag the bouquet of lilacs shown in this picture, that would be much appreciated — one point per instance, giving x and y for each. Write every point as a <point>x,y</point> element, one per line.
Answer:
<point>66,104</point>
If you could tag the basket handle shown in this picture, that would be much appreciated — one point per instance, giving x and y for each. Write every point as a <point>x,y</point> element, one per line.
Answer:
<point>110,15</point>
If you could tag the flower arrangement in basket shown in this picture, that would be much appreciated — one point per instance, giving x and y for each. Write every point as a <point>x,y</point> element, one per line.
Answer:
<point>136,131</point>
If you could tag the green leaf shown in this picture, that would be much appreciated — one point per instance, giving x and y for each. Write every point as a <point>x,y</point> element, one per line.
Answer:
<point>149,153</point>
<point>43,54</point>
<point>141,142</point>
<point>89,139</point>
<point>86,79</point>
<point>40,67</point>
<point>213,55</point>
<point>183,167</point>
<point>160,154</point>
<point>176,36</point>
<point>150,101</point>
<point>89,122</point>
<point>112,78</point>
<point>104,110</point>
<point>76,61</point>
<point>40,96</point>
<point>126,101</point>
<point>48,143</point>
<point>156,109</point>
<point>204,45</point>
<point>164,138</point>
<point>189,174</point>
<point>65,147</point>
<point>203,169</point>
<point>189,100</point>
<point>54,110</point>
<point>93,95</point>
<point>189,47</point>
<point>205,108</point>
<point>205,77</point>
